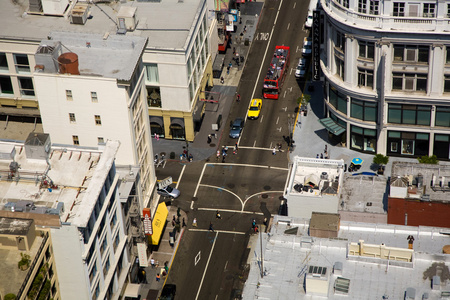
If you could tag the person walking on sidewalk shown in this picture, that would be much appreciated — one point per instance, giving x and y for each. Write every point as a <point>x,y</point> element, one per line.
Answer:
<point>158,277</point>
<point>238,97</point>
<point>184,223</point>
<point>211,227</point>
<point>218,216</point>
<point>218,155</point>
<point>194,222</point>
<point>274,151</point>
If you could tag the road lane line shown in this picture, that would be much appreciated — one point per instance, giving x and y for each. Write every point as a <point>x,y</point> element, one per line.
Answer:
<point>260,193</point>
<point>245,165</point>
<point>254,144</point>
<point>226,264</point>
<point>206,267</point>
<point>181,175</point>
<point>295,3</point>
<point>225,190</point>
<point>198,183</point>
<point>262,117</point>
<point>218,231</point>
<point>278,119</point>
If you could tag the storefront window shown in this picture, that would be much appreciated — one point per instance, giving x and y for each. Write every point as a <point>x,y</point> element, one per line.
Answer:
<point>442,146</point>
<point>338,100</point>
<point>363,139</point>
<point>408,143</point>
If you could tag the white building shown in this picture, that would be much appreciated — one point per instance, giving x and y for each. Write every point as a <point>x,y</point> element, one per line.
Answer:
<point>178,55</point>
<point>313,185</point>
<point>79,188</point>
<point>386,66</point>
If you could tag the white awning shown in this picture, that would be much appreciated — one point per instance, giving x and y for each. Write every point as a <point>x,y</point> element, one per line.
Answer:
<point>132,290</point>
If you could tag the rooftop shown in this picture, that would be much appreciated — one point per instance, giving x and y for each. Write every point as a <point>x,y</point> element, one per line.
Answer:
<point>110,56</point>
<point>420,181</point>
<point>166,24</point>
<point>385,267</point>
<point>15,226</point>
<point>67,185</point>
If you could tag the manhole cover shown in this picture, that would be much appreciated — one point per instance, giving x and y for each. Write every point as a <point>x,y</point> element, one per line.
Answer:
<point>267,187</point>
<point>231,185</point>
<point>264,196</point>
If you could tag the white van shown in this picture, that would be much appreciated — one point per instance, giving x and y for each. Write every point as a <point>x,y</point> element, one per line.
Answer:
<point>309,18</point>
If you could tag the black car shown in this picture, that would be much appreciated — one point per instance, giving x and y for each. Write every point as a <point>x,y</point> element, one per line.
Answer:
<point>168,292</point>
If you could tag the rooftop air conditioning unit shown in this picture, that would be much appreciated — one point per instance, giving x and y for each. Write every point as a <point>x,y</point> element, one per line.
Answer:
<point>79,14</point>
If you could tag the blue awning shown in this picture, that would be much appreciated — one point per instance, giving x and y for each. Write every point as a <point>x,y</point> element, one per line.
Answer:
<point>332,126</point>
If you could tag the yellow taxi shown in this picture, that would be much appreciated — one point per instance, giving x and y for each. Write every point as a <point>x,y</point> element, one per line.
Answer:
<point>254,109</point>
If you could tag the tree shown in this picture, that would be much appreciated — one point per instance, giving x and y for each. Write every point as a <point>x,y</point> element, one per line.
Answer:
<point>428,160</point>
<point>380,159</point>
<point>304,99</point>
<point>10,297</point>
<point>24,263</point>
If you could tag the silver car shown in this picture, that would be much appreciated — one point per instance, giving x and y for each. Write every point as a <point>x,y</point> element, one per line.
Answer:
<point>236,128</point>
<point>169,192</point>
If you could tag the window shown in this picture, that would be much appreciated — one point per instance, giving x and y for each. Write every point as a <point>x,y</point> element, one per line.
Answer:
<point>447,56</point>
<point>409,82</point>
<point>363,139</point>
<point>75,139</point>
<point>100,140</point>
<point>446,83</point>
<point>411,53</point>
<point>338,100</point>
<point>340,41</point>
<point>153,96</point>
<point>409,114</point>
<point>98,120</point>
<point>363,110</point>
<point>3,62</point>
<point>429,10</point>
<point>340,68</point>
<point>94,97</point>
<point>26,86</point>
<point>106,268</point>
<point>362,6</point>
<point>448,10</point>
<point>22,64</point>
<point>116,242</point>
<point>365,78</point>
<point>345,3</point>
<point>6,86</point>
<point>442,116</point>
<point>104,245</point>
<point>152,73</point>
<point>72,118</point>
<point>374,7</point>
<point>93,272</point>
<point>399,9</point>
<point>69,95</point>
<point>366,49</point>
<point>96,292</point>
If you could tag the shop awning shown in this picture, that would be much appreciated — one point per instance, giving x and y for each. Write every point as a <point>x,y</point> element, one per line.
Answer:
<point>332,126</point>
<point>132,290</point>
<point>158,223</point>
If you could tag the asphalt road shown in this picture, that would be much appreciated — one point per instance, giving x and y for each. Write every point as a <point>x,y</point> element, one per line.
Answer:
<point>249,184</point>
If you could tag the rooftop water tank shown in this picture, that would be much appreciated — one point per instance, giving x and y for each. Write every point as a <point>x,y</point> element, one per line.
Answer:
<point>68,63</point>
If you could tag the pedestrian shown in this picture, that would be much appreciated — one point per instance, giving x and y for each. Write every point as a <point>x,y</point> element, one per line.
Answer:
<point>253,223</point>
<point>236,145</point>
<point>279,146</point>
<point>174,221</point>
<point>256,229</point>
<point>234,50</point>
<point>191,158</point>
<point>211,227</point>
<point>317,156</point>
<point>226,149</point>
<point>321,155</point>
<point>218,155</point>
<point>152,262</point>
<point>178,212</point>
<point>166,266</point>
<point>274,151</point>
<point>185,153</point>
<point>218,215</point>
<point>209,139</point>
<point>157,137</point>
<point>222,80</point>
<point>410,239</point>
<point>230,65</point>
<point>325,149</point>
<point>194,222</point>
<point>144,276</point>
<point>238,97</point>
<point>184,223</point>
<point>158,277</point>
<point>245,28</point>
<point>265,222</point>
<point>235,149</point>
<point>223,157</point>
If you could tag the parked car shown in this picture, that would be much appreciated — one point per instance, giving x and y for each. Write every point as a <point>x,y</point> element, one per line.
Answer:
<point>168,292</point>
<point>169,192</point>
<point>236,128</point>
<point>255,109</point>
<point>307,46</point>
<point>300,71</point>
<point>309,20</point>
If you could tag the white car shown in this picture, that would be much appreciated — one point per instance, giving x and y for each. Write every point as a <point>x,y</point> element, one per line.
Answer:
<point>300,71</point>
<point>307,46</point>
<point>309,20</point>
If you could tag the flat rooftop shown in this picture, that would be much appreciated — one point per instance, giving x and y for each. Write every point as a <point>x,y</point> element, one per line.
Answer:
<point>113,56</point>
<point>288,258</point>
<point>166,24</point>
<point>77,175</point>
<point>14,226</point>
<point>435,180</point>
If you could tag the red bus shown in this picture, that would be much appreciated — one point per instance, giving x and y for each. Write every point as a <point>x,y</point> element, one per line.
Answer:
<point>276,73</point>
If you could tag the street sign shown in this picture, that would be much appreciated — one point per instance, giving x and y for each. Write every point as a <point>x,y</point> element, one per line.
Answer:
<point>148,229</point>
<point>165,182</point>
<point>142,254</point>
